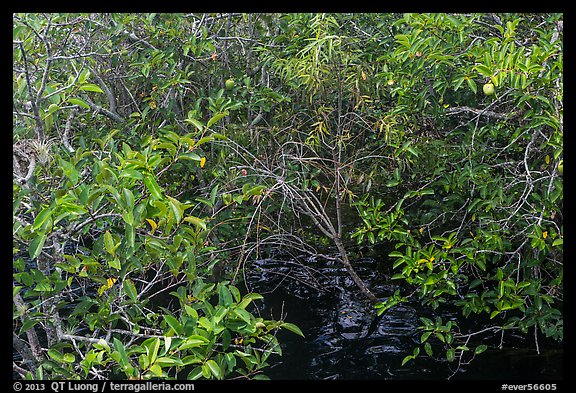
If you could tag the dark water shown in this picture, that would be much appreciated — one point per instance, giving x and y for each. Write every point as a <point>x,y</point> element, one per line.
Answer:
<point>324,302</point>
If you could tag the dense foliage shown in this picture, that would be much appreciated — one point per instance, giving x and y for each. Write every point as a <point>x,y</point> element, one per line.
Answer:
<point>156,155</point>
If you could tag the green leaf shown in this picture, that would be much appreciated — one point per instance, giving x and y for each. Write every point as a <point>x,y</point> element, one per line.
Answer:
<point>225,297</point>
<point>79,102</point>
<point>153,186</point>
<point>69,170</point>
<point>115,263</point>
<point>69,358</point>
<point>248,298</point>
<point>293,328</point>
<point>243,314</point>
<point>196,373</point>
<point>214,368</point>
<point>156,370</point>
<point>450,354</point>
<point>41,218</point>
<point>196,221</point>
<point>254,191</point>
<point>558,242</point>
<point>176,207</point>
<point>195,123</point>
<point>109,244</point>
<point>425,336</point>
<point>407,359</point>
<point>216,118</point>
<point>53,108</point>
<point>84,75</point>
<point>193,341</point>
<point>371,237</point>
<point>16,289</point>
<point>36,245</point>
<point>202,141</point>
<point>190,156</point>
<point>130,289</point>
<point>482,69</point>
<point>174,324</point>
<point>122,351</point>
<point>480,348</point>
<point>472,85</point>
<point>91,87</point>
<point>130,233</point>
<point>54,354</point>
<point>131,174</point>
<point>153,350</point>
<point>128,198</point>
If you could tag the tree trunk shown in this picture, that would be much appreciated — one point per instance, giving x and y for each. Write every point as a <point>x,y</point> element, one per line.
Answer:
<point>359,282</point>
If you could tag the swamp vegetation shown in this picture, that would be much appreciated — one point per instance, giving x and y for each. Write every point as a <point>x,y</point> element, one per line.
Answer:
<point>163,162</point>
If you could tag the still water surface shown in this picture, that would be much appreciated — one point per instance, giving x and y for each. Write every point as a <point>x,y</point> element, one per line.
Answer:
<point>324,302</point>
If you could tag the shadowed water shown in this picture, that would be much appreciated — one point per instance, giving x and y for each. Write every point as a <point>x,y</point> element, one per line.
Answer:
<point>324,302</point>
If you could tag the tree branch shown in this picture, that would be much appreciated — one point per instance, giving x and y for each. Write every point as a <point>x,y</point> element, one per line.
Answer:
<point>479,112</point>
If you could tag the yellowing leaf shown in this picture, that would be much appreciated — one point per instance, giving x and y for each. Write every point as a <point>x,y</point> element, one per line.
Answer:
<point>547,159</point>
<point>110,282</point>
<point>105,287</point>
<point>202,162</point>
<point>102,289</point>
<point>153,224</point>
<point>363,76</point>
<point>544,234</point>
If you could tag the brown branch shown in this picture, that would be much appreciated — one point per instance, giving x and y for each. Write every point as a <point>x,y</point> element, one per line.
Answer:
<point>33,103</point>
<point>98,109</point>
<point>478,112</point>
<point>35,347</point>
<point>22,372</point>
<point>66,134</point>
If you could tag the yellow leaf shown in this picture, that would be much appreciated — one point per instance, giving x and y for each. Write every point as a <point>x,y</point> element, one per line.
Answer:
<point>202,162</point>
<point>547,159</point>
<point>153,224</point>
<point>545,234</point>
<point>421,230</point>
<point>363,76</point>
<point>110,282</point>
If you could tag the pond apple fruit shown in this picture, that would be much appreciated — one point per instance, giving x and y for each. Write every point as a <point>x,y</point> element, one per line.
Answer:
<point>229,84</point>
<point>488,89</point>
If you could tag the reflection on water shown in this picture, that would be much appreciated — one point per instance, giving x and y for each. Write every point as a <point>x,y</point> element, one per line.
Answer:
<point>324,302</point>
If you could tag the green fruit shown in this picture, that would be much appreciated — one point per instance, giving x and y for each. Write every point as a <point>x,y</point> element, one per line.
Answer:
<point>561,167</point>
<point>488,89</point>
<point>229,84</point>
